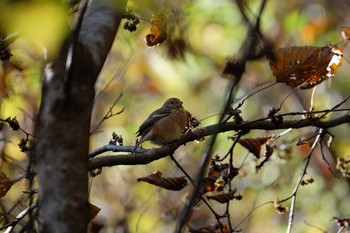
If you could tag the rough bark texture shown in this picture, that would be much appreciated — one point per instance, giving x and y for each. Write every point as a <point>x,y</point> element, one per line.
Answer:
<point>64,121</point>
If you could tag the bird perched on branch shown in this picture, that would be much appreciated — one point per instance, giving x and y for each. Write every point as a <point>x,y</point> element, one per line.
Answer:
<point>165,124</point>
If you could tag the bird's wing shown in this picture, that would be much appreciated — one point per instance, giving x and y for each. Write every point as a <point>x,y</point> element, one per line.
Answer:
<point>154,117</point>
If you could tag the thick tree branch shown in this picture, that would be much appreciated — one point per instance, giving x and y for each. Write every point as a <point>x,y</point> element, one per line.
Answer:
<point>148,156</point>
<point>64,119</point>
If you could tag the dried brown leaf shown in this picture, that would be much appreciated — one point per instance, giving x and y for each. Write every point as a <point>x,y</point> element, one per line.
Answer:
<point>93,211</point>
<point>158,30</point>
<point>268,151</point>
<point>218,176</point>
<point>218,169</point>
<point>345,34</point>
<point>307,180</point>
<point>342,222</point>
<point>210,229</point>
<point>170,183</point>
<point>5,184</point>
<point>253,145</point>
<point>280,208</point>
<point>224,197</point>
<point>343,165</point>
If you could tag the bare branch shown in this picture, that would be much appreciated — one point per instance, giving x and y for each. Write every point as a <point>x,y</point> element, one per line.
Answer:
<point>19,217</point>
<point>109,113</point>
<point>303,172</point>
<point>151,155</point>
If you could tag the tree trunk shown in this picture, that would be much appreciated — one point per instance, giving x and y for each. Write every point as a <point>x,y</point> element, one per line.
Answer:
<point>64,120</point>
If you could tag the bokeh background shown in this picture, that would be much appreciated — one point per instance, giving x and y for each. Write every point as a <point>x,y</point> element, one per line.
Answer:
<point>202,36</point>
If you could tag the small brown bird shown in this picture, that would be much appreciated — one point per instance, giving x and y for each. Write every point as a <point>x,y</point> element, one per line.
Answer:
<point>165,124</point>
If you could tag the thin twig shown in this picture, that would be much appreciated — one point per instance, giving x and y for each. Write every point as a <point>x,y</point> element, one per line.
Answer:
<point>326,161</point>
<point>227,212</point>
<point>336,106</point>
<point>19,217</point>
<point>250,213</point>
<point>216,215</point>
<point>303,172</point>
<point>255,92</point>
<point>109,114</point>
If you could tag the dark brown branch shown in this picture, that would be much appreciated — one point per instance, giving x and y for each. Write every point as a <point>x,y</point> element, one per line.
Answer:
<point>154,154</point>
<point>65,119</point>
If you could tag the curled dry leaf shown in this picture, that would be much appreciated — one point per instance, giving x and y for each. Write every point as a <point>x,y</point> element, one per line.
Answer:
<point>158,30</point>
<point>218,176</point>
<point>268,151</point>
<point>225,197</point>
<point>170,183</point>
<point>307,180</point>
<point>254,145</point>
<point>193,122</point>
<point>218,169</point>
<point>280,208</point>
<point>131,21</point>
<point>305,66</point>
<point>213,184</point>
<point>5,184</point>
<point>93,211</point>
<point>13,123</point>
<point>210,229</point>
<point>343,165</point>
<point>342,222</point>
